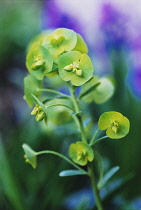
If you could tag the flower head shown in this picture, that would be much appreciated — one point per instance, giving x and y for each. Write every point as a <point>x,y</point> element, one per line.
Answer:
<point>76,67</point>
<point>39,61</point>
<point>39,112</point>
<point>62,39</point>
<point>81,153</point>
<point>115,124</point>
<point>30,155</point>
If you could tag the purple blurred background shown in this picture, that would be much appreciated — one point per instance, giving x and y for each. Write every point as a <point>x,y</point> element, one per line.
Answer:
<point>106,26</point>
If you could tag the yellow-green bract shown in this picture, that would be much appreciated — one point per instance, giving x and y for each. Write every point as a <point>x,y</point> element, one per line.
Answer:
<point>115,124</point>
<point>98,90</point>
<point>81,153</point>
<point>31,85</point>
<point>30,155</point>
<point>39,61</point>
<point>61,40</point>
<point>75,67</point>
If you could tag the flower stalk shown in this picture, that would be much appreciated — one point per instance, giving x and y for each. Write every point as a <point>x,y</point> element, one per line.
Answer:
<point>90,168</point>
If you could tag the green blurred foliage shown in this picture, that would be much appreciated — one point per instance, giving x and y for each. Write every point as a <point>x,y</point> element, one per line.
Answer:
<point>22,187</point>
<point>19,22</point>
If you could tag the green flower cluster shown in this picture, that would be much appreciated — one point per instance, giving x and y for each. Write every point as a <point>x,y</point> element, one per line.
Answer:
<point>81,153</point>
<point>63,50</point>
<point>40,114</point>
<point>116,125</point>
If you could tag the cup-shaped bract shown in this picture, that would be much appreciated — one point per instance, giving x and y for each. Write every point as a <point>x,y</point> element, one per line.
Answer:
<point>39,61</point>
<point>61,40</point>
<point>75,67</point>
<point>39,38</point>
<point>31,86</point>
<point>100,90</point>
<point>116,125</point>
<point>30,155</point>
<point>81,45</point>
<point>81,153</point>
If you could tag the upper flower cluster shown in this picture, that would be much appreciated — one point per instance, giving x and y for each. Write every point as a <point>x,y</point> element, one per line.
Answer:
<point>61,50</point>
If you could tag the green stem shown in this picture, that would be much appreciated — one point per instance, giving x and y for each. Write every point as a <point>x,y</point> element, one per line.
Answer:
<point>94,186</point>
<point>101,171</point>
<point>100,139</point>
<point>77,110</point>
<point>94,137</point>
<point>83,135</point>
<point>59,105</point>
<point>62,156</point>
<point>53,91</point>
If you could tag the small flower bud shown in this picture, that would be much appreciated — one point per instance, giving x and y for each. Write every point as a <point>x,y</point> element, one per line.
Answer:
<point>68,67</point>
<point>35,110</point>
<point>40,116</point>
<point>54,42</point>
<point>79,72</point>
<point>114,128</point>
<point>60,40</point>
<point>34,67</point>
<point>37,65</point>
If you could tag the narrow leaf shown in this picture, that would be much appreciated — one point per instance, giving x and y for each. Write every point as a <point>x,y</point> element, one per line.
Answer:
<point>8,182</point>
<point>77,113</point>
<point>109,174</point>
<point>37,101</point>
<point>92,88</point>
<point>71,173</point>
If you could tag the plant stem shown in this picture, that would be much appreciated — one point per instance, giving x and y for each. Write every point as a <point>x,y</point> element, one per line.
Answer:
<point>62,156</point>
<point>91,173</point>
<point>78,115</point>
<point>59,105</point>
<point>53,91</point>
<point>97,140</point>
<point>94,137</point>
<point>94,187</point>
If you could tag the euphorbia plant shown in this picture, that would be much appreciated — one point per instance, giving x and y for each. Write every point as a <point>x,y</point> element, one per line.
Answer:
<point>64,53</point>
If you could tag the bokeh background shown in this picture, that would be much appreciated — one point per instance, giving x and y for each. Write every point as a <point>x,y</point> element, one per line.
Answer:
<point>112,30</point>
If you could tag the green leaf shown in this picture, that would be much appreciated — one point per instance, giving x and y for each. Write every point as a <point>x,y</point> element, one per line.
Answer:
<point>117,186</point>
<point>71,173</point>
<point>8,182</point>
<point>31,86</point>
<point>108,175</point>
<point>81,45</point>
<point>75,67</point>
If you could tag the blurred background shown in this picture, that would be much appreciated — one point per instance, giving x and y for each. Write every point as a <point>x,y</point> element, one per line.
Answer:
<point>112,30</point>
